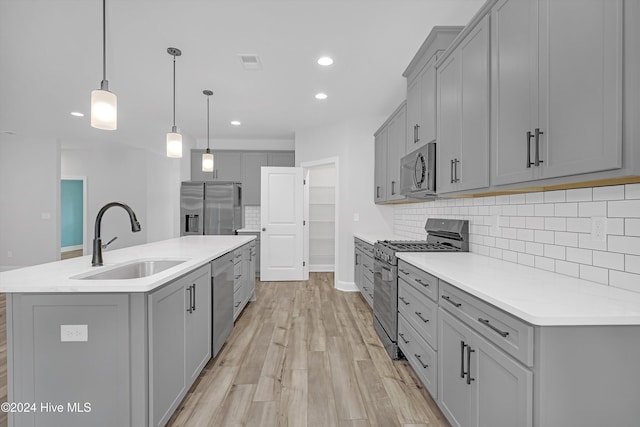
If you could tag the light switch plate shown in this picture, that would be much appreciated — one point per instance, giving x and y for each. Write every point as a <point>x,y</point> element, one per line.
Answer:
<point>74,333</point>
<point>356,217</point>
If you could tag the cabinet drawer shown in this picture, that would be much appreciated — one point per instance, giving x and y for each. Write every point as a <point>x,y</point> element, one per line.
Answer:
<point>420,355</point>
<point>420,311</point>
<point>421,280</point>
<point>367,267</point>
<point>237,282</point>
<point>367,286</point>
<point>507,332</point>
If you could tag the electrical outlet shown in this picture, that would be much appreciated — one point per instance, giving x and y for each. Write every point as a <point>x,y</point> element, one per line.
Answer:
<point>598,229</point>
<point>495,223</point>
<point>74,333</point>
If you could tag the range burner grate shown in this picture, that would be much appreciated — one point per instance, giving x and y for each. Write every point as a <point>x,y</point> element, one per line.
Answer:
<point>417,246</point>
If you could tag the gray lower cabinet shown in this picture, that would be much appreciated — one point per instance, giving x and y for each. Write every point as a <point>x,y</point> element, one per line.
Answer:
<point>256,255</point>
<point>244,285</point>
<point>363,269</point>
<point>478,384</point>
<point>222,302</point>
<point>179,341</point>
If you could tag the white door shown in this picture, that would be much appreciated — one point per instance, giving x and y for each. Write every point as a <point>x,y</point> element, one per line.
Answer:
<point>281,222</point>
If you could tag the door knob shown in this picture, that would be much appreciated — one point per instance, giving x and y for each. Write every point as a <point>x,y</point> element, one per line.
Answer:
<point>264,229</point>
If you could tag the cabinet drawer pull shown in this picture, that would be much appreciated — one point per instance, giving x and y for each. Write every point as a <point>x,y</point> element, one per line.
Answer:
<point>419,357</point>
<point>404,300</point>
<point>237,304</point>
<point>393,186</point>
<point>538,132</point>
<point>193,298</point>
<point>404,272</point>
<point>469,351</point>
<point>404,339</point>
<point>485,322</point>
<point>529,136</point>
<point>450,301</point>
<point>189,308</point>
<point>377,192</point>
<point>421,318</point>
<point>462,347</point>
<point>421,282</point>
<point>237,277</point>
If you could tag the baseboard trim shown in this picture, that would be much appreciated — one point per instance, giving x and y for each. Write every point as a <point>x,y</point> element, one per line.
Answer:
<point>322,268</point>
<point>346,286</point>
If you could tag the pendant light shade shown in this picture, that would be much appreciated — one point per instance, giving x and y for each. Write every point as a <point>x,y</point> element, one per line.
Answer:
<point>207,156</point>
<point>104,104</point>
<point>174,139</point>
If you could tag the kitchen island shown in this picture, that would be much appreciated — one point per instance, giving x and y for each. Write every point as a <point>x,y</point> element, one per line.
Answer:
<point>89,346</point>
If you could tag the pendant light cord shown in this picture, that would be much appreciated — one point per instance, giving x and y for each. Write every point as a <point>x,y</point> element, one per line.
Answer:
<point>104,40</point>
<point>207,123</point>
<point>174,91</point>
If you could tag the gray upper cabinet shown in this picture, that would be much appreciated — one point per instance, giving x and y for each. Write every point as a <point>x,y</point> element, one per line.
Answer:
<point>389,143</point>
<point>421,87</point>
<point>380,170</point>
<point>463,113</point>
<point>559,112</point>
<point>227,166</point>
<point>282,158</point>
<point>251,164</point>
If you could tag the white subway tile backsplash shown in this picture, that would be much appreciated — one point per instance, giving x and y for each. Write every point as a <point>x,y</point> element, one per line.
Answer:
<point>623,280</point>
<point>625,244</point>
<point>555,196</point>
<point>624,208</point>
<point>591,209</point>
<point>609,260</point>
<point>632,227</point>
<point>546,230</point>
<point>632,191</point>
<point>566,209</point>
<point>613,192</point>
<point>580,195</point>
<point>632,263</point>
<point>581,256</point>
<point>545,263</point>
<point>595,274</point>
<point>568,268</point>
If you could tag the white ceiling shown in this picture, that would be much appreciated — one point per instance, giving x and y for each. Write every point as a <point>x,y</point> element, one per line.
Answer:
<point>52,59</point>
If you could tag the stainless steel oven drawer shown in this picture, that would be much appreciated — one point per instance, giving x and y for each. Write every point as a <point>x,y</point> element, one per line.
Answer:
<point>422,358</point>
<point>511,334</point>
<point>420,311</point>
<point>421,280</point>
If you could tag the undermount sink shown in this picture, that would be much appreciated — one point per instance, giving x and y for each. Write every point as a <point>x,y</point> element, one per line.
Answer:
<point>131,270</point>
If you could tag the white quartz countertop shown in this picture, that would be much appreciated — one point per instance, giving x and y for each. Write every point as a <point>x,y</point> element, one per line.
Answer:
<point>57,276</point>
<point>536,296</point>
<point>248,230</point>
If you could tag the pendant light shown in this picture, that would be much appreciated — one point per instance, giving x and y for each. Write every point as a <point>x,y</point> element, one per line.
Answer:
<point>174,139</point>
<point>104,104</point>
<point>207,156</point>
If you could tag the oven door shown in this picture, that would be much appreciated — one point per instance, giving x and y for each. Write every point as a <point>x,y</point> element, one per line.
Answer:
<point>385,305</point>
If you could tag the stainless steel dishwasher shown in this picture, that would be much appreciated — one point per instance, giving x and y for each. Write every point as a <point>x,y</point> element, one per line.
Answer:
<point>222,304</point>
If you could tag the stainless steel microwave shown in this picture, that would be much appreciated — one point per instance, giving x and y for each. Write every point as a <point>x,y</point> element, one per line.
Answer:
<point>418,173</point>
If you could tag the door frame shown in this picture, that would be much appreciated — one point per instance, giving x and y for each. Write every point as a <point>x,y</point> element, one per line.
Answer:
<point>85,245</point>
<point>336,233</point>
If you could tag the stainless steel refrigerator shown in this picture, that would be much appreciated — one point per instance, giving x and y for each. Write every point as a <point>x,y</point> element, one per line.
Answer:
<point>210,207</point>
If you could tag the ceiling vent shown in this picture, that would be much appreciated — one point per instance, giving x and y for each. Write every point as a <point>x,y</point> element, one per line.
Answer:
<point>250,62</point>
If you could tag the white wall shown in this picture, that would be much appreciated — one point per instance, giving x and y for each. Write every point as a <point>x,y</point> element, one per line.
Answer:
<point>547,230</point>
<point>30,201</point>
<point>352,143</point>
<point>247,144</point>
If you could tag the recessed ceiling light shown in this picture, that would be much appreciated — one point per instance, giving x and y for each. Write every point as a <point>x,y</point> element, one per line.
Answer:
<point>321,96</point>
<point>77,114</point>
<point>235,123</point>
<point>325,61</point>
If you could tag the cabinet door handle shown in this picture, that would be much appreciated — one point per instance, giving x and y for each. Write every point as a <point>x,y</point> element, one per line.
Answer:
<point>357,259</point>
<point>403,338</point>
<point>451,173</point>
<point>417,133</point>
<point>455,170</point>
<point>417,279</point>
<point>190,299</point>
<point>193,296</point>
<point>450,301</point>
<point>404,300</point>
<point>529,136</point>
<point>419,357</point>
<point>538,132</point>
<point>462,347</point>
<point>485,322</point>
<point>377,192</point>
<point>421,318</point>
<point>393,186</point>
<point>469,351</point>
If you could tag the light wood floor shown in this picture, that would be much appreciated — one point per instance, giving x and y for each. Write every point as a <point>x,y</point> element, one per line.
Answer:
<point>305,354</point>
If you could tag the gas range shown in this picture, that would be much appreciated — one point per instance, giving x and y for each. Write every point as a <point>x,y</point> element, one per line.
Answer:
<point>443,235</point>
